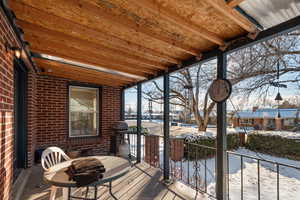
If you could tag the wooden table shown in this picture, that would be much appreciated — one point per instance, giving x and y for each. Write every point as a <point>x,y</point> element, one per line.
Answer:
<point>116,167</point>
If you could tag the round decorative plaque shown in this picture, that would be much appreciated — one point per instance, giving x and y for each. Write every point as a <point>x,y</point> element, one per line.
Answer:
<point>220,90</point>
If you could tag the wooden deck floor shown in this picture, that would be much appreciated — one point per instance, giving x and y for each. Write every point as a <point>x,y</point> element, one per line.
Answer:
<point>142,183</point>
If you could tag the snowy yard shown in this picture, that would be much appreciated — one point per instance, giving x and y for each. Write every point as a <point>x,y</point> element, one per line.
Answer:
<point>284,134</point>
<point>183,130</point>
<point>289,178</point>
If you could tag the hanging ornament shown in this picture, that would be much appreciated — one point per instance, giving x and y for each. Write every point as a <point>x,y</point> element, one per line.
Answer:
<point>278,97</point>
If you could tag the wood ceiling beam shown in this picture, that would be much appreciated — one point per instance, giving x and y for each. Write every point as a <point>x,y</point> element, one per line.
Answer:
<point>79,78</point>
<point>50,35</point>
<point>235,16</point>
<point>72,68</point>
<point>234,3</point>
<point>88,14</point>
<point>64,68</point>
<point>49,21</point>
<point>90,60</point>
<point>180,21</point>
<point>39,42</point>
<point>60,50</point>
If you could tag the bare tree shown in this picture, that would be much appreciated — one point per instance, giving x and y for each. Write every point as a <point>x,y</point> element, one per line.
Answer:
<point>250,71</point>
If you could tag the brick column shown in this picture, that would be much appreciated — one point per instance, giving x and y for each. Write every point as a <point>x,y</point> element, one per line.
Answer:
<point>152,150</point>
<point>235,122</point>
<point>265,123</point>
<point>278,124</point>
<point>32,116</point>
<point>177,149</point>
<point>6,108</point>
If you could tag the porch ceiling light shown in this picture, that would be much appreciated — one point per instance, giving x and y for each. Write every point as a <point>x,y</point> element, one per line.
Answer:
<point>16,50</point>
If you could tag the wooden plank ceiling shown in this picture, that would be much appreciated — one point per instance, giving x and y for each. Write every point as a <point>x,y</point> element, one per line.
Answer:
<point>136,37</point>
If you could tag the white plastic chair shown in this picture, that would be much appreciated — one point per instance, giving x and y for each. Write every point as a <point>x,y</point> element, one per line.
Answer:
<point>50,157</point>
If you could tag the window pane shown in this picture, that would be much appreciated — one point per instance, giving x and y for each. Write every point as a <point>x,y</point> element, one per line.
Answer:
<point>83,111</point>
<point>83,123</point>
<point>83,99</point>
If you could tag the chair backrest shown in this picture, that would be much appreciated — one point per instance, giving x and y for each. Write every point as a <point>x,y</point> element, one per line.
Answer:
<point>52,156</point>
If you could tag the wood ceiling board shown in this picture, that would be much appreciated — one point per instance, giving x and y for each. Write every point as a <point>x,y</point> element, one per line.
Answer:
<point>138,12</point>
<point>200,12</point>
<point>125,22</point>
<point>232,14</point>
<point>105,65</point>
<point>67,68</point>
<point>94,17</point>
<point>40,45</point>
<point>160,16</point>
<point>98,79</point>
<point>85,46</point>
<point>81,79</point>
<point>77,76</point>
<point>234,3</point>
<point>49,21</point>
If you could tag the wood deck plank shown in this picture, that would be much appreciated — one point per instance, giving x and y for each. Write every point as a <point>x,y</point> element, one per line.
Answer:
<point>141,183</point>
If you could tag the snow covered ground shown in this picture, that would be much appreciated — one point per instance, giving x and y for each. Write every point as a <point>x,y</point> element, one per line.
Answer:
<point>289,178</point>
<point>285,134</point>
<point>184,130</point>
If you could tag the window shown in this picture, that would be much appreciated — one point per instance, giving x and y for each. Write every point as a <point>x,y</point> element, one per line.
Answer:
<point>83,111</point>
<point>246,121</point>
<point>289,122</point>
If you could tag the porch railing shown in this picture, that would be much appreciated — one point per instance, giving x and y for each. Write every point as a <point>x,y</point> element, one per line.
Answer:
<point>259,161</point>
<point>195,166</point>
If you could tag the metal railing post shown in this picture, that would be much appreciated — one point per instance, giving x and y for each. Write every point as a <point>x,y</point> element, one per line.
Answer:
<point>166,127</point>
<point>139,122</point>
<point>221,159</point>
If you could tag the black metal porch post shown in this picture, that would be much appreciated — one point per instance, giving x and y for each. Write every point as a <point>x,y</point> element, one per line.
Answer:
<point>221,157</point>
<point>139,121</point>
<point>166,127</point>
<point>122,107</point>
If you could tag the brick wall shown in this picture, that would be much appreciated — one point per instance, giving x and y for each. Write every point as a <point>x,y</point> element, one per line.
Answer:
<point>6,108</point>
<point>32,117</point>
<point>52,115</point>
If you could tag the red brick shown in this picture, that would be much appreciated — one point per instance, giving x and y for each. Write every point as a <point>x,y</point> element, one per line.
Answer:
<point>52,114</point>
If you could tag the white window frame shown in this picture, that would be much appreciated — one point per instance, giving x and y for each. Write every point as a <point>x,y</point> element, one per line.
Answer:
<point>97,111</point>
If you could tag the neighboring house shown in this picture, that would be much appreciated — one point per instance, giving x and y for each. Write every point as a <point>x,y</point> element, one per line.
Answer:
<point>190,118</point>
<point>267,119</point>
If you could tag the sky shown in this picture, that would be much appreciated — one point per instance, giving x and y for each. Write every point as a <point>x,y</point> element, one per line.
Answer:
<point>238,101</point>
<point>286,93</point>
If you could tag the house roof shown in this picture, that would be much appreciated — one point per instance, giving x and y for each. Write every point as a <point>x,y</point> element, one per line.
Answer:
<point>269,13</point>
<point>118,43</point>
<point>268,113</point>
